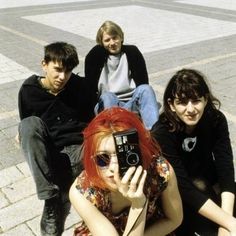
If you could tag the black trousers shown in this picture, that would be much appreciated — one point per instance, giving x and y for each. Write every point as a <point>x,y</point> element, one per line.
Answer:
<point>196,225</point>
<point>53,169</point>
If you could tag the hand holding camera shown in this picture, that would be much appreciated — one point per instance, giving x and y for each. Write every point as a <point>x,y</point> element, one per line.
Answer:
<point>131,185</point>
<point>130,177</point>
<point>127,149</point>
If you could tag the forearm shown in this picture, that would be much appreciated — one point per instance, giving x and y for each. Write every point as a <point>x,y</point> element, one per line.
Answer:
<point>216,214</point>
<point>136,221</point>
<point>227,202</point>
<point>100,226</point>
<point>172,209</point>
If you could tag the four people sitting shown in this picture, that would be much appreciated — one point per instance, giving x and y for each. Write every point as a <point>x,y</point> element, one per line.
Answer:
<point>191,136</point>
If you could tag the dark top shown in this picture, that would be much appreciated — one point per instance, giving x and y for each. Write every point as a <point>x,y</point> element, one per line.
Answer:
<point>65,115</point>
<point>205,154</point>
<point>95,59</point>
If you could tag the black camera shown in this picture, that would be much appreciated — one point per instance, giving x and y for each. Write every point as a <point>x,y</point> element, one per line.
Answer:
<point>127,149</point>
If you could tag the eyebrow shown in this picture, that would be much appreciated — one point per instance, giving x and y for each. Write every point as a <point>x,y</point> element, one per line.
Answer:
<point>60,68</point>
<point>107,152</point>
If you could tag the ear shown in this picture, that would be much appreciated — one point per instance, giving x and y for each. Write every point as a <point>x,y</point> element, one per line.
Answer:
<point>170,103</point>
<point>44,66</point>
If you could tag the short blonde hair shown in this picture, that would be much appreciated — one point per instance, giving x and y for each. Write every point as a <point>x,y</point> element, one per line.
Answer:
<point>110,28</point>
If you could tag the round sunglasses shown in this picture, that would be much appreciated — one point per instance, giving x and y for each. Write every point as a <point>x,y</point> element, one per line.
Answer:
<point>103,159</point>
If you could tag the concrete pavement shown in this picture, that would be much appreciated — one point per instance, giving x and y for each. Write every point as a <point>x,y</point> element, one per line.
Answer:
<point>172,34</point>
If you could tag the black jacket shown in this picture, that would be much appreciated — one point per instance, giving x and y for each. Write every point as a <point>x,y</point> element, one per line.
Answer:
<point>205,154</point>
<point>65,115</point>
<point>95,59</point>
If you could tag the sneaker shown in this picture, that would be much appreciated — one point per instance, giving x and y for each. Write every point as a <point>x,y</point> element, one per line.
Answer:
<point>50,221</point>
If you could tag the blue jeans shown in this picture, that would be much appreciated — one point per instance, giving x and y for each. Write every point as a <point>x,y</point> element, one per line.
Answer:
<point>47,162</point>
<point>143,102</point>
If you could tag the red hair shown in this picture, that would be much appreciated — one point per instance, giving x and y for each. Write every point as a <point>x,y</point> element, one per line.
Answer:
<point>103,125</point>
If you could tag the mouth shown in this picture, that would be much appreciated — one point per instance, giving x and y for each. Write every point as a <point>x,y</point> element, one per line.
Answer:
<point>59,84</point>
<point>113,48</point>
<point>191,117</point>
<point>111,179</point>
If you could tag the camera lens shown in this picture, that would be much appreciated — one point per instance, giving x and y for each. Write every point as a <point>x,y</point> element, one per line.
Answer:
<point>132,158</point>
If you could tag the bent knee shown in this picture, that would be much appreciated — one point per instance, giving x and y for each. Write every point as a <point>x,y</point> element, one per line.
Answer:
<point>30,125</point>
<point>107,95</point>
<point>145,88</point>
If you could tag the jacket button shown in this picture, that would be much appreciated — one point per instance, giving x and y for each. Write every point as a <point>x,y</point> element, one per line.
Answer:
<point>58,118</point>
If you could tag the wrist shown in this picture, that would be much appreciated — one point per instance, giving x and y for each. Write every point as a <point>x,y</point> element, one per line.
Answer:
<point>139,203</point>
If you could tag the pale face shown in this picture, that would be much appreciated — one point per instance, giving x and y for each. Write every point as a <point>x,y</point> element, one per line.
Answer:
<point>107,147</point>
<point>112,43</point>
<point>56,76</point>
<point>189,111</point>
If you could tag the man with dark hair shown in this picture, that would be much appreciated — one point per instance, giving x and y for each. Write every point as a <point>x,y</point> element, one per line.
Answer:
<point>54,109</point>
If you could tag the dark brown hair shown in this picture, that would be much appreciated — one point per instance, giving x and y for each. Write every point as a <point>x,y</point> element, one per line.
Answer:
<point>185,84</point>
<point>63,53</point>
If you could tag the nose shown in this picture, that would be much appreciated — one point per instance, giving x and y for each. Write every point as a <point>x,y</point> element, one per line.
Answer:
<point>190,107</point>
<point>112,42</point>
<point>113,163</point>
<point>62,75</point>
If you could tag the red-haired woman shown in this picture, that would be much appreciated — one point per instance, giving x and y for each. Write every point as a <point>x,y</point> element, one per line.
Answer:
<point>143,201</point>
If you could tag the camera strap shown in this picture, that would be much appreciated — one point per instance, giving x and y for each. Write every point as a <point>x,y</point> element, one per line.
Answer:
<point>137,218</point>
